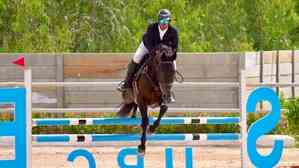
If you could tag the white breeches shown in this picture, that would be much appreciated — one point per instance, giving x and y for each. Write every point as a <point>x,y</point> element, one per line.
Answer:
<point>141,52</point>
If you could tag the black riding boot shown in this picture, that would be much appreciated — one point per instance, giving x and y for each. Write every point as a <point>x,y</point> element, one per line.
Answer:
<point>127,83</point>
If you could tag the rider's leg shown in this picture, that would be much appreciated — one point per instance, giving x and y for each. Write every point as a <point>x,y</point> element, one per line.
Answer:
<point>140,53</point>
<point>133,67</point>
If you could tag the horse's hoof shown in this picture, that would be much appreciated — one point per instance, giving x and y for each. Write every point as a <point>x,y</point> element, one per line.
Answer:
<point>141,150</point>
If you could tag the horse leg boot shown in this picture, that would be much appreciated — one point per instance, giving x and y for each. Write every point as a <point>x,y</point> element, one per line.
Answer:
<point>132,69</point>
<point>163,109</point>
<point>144,125</point>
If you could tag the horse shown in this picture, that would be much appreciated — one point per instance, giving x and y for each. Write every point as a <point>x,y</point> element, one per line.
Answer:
<point>151,87</point>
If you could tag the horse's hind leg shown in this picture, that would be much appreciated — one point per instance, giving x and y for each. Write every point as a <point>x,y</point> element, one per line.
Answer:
<point>125,109</point>
<point>156,124</point>
<point>144,125</point>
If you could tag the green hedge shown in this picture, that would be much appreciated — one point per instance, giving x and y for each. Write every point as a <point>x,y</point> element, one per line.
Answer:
<point>292,117</point>
<point>129,129</point>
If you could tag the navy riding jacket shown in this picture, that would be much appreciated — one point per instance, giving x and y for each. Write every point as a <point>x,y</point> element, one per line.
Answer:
<point>151,37</point>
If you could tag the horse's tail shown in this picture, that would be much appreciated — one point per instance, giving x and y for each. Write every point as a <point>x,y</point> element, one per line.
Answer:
<point>126,109</point>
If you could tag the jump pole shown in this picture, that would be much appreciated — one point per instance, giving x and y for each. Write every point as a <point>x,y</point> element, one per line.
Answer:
<point>28,81</point>
<point>243,117</point>
<point>20,62</point>
<point>28,87</point>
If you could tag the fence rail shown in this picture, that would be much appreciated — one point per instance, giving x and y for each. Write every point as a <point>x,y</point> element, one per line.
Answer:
<point>203,84</point>
<point>70,84</point>
<point>112,110</point>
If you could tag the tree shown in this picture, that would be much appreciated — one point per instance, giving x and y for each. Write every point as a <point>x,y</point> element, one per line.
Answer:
<point>118,25</point>
<point>224,26</point>
<point>270,23</point>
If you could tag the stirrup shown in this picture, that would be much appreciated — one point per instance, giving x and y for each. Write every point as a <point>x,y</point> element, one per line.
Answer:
<point>121,86</point>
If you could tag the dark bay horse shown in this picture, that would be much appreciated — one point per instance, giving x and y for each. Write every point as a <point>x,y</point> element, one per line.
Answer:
<point>151,87</point>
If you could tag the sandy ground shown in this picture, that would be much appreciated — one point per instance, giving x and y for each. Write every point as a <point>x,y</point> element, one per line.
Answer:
<point>106,157</point>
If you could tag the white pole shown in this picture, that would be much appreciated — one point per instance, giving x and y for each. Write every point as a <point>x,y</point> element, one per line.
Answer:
<point>243,124</point>
<point>28,86</point>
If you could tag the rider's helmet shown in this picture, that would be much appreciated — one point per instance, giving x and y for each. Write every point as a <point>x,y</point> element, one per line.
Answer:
<point>164,16</point>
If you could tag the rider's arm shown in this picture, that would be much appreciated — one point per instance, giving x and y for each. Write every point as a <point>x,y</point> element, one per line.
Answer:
<point>175,42</point>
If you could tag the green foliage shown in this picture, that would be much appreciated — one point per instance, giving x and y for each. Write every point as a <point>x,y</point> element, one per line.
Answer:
<point>223,26</point>
<point>292,115</point>
<point>118,25</point>
<point>270,23</point>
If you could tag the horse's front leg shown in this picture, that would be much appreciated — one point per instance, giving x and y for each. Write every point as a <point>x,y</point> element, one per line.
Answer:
<point>144,125</point>
<point>163,109</point>
<point>134,112</point>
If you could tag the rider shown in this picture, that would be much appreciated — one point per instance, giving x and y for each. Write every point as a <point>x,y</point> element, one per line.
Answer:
<point>157,33</point>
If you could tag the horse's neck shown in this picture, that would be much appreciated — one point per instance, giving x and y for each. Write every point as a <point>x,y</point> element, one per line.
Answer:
<point>151,71</point>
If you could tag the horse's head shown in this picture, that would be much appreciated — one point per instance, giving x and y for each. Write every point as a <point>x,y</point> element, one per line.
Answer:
<point>163,60</point>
